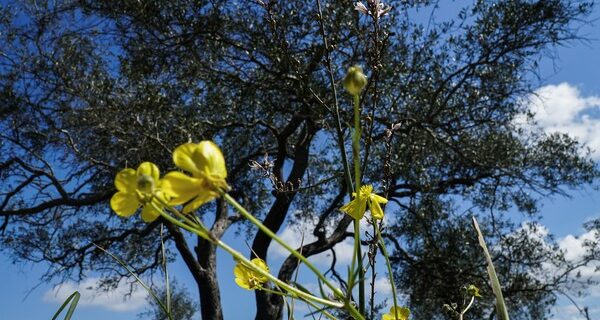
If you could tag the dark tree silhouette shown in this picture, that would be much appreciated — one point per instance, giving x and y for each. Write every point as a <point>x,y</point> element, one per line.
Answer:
<point>90,87</point>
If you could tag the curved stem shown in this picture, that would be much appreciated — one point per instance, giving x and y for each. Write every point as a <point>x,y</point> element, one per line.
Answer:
<point>238,256</point>
<point>462,313</point>
<point>310,303</point>
<point>388,264</point>
<point>273,236</point>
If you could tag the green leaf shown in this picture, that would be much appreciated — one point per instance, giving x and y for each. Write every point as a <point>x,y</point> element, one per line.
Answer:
<point>72,301</point>
<point>496,288</point>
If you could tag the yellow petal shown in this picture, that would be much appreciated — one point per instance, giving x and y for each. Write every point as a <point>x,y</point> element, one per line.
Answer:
<point>243,283</point>
<point>239,271</point>
<point>183,157</point>
<point>149,169</point>
<point>379,199</point>
<point>126,180</point>
<point>376,211</point>
<point>149,214</point>
<point>180,187</point>
<point>124,204</point>
<point>260,263</point>
<point>401,313</point>
<point>349,207</point>
<point>202,198</point>
<point>209,158</point>
<point>241,276</point>
<point>355,208</point>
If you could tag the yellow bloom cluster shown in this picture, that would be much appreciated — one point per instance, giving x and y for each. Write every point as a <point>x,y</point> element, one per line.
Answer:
<point>137,188</point>
<point>400,313</point>
<point>143,187</point>
<point>365,197</point>
<point>249,279</point>
<point>206,164</point>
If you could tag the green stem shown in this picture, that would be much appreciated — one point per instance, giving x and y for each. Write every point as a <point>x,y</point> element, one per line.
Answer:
<point>137,278</point>
<point>165,270</point>
<point>357,178</point>
<point>238,256</point>
<point>337,292</point>
<point>310,303</point>
<point>338,127</point>
<point>388,264</point>
<point>462,313</point>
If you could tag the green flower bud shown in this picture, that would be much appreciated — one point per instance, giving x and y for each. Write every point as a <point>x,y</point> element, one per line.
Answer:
<point>355,80</point>
<point>473,291</point>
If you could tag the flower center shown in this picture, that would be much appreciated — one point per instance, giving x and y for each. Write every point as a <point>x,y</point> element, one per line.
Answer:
<point>145,183</point>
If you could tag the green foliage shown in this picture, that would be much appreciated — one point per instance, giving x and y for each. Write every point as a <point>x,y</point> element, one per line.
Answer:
<point>90,87</point>
<point>183,307</point>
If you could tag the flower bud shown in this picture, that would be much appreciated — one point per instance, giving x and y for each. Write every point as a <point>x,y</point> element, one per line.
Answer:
<point>473,291</point>
<point>355,80</point>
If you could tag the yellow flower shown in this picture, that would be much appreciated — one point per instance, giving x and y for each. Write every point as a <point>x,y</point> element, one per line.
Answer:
<point>355,80</point>
<point>206,164</point>
<point>400,313</point>
<point>248,278</point>
<point>137,188</point>
<point>357,207</point>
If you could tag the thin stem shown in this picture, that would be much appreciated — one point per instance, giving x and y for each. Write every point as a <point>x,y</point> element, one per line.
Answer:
<point>273,236</point>
<point>238,256</point>
<point>165,270</point>
<point>388,264</point>
<point>310,303</point>
<point>373,276</point>
<point>338,126</point>
<point>460,316</point>
<point>357,179</point>
<point>137,278</point>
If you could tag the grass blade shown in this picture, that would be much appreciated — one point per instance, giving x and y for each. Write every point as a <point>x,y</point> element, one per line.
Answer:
<point>134,275</point>
<point>500,304</point>
<point>72,302</point>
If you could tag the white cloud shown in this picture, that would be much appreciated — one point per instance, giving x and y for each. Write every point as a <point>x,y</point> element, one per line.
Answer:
<point>562,108</point>
<point>574,249</point>
<point>126,297</point>
<point>383,286</point>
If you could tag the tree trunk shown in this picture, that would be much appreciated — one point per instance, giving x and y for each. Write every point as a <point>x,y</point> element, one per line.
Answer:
<point>203,267</point>
<point>268,305</point>
<point>208,286</point>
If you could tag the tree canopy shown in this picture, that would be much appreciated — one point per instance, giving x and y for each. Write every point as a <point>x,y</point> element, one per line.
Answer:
<point>90,87</point>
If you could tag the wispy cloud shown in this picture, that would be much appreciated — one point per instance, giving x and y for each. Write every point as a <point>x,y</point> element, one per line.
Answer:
<point>125,298</point>
<point>574,249</point>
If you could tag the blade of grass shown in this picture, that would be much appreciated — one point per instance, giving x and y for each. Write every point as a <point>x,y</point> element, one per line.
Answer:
<point>496,288</point>
<point>132,273</point>
<point>72,301</point>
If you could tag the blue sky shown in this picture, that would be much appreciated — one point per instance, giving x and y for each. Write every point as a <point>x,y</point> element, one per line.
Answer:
<point>571,101</point>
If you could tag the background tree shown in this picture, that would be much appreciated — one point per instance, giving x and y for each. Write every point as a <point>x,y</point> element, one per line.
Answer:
<point>89,87</point>
<point>182,305</point>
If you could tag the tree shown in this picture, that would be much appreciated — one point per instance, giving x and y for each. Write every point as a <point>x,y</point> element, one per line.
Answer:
<point>181,307</point>
<point>90,87</point>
